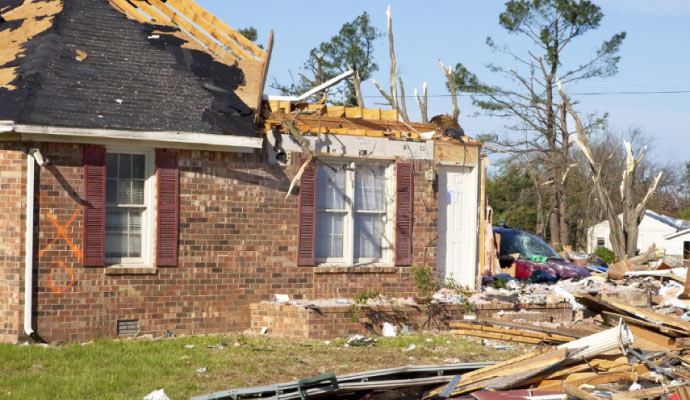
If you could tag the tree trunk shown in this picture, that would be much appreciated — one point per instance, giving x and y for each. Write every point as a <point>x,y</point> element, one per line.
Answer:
<point>357,83</point>
<point>554,220</point>
<point>623,233</point>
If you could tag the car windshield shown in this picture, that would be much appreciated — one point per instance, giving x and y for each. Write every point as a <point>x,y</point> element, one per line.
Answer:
<point>528,245</point>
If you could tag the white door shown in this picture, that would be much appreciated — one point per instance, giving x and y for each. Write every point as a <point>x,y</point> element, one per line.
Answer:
<point>457,224</point>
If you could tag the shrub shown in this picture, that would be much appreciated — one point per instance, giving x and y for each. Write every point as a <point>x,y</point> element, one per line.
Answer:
<point>606,254</point>
<point>424,280</point>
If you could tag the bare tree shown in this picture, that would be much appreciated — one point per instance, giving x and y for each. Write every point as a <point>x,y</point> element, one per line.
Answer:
<point>624,232</point>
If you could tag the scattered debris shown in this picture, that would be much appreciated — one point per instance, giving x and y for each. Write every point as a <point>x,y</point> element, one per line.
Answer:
<point>388,330</point>
<point>201,370</point>
<point>412,347</point>
<point>189,346</point>
<point>157,395</point>
<point>359,340</point>
<point>81,55</point>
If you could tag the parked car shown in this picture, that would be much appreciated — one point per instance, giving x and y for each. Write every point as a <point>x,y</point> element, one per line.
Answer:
<point>530,253</point>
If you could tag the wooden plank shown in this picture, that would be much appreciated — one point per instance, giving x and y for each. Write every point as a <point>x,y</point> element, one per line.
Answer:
<point>456,152</point>
<point>353,112</point>
<point>389,115</point>
<point>497,336</point>
<point>335,111</point>
<point>183,7</point>
<point>196,9</point>
<point>197,34</point>
<point>563,331</point>
<point>131,11</point>
<point>635,321</point>
<point>653,316</point>
<point>514,332</point>
<point>371,113</point>
<point>532,364</point>
<point>152,12</point>
<point>661,342</point>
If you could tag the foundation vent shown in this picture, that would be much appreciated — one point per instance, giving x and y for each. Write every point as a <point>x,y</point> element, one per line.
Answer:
<point>127,327</point>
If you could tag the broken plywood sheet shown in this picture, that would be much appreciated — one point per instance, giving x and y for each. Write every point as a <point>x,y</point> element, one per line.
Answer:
<point>27,20</point>
<point>460,153</point>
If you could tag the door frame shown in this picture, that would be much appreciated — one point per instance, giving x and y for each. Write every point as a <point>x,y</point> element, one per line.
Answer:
<point>472,211</point>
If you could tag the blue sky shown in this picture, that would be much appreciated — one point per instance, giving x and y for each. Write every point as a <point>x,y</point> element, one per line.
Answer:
<point>654,56</point>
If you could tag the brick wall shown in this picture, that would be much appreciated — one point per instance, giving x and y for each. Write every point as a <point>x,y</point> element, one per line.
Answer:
<point>12,202</point>
<point>237,246</point>
<point>337,321</point>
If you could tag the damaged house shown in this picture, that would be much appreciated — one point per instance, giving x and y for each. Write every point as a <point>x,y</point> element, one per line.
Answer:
<point>147,187</point>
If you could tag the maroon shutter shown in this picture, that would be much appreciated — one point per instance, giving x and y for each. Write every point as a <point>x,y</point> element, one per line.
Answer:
<point>94,207</point>
<point>167,208</point>
<point>404,200</point>
<point>306,233</point>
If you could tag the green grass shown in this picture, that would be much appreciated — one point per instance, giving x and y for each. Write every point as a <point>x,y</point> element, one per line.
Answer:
<point>130,369</point>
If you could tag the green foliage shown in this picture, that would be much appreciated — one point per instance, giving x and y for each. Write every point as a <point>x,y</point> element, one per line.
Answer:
<point>352,47</point>
<point>512,196</point>
<point>250,33</point>
<point>363,297</point>
<point>130,369</point>
<point>465,292</point>
<point>424,280</point>
<point>606,254</point>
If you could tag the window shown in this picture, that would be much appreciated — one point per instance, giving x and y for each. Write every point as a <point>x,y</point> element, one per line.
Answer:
<point>353,207</point>
<point>601,242</point>
<point>128,207</point>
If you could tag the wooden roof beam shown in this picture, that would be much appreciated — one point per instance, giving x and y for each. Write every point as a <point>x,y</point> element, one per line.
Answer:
<point>196,9</point>
<point>194,32</point>
<point>155,15</point>
<point>131,11</point>
<point>183,7</point>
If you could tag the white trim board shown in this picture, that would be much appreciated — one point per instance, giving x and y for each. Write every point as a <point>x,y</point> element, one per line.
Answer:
<point>169,139</point>
<point>357,146</point>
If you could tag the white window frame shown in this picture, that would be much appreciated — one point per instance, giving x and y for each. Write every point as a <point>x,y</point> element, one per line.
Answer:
<point>147,218</point>
<point>602,240</point>
<point>349,221</point>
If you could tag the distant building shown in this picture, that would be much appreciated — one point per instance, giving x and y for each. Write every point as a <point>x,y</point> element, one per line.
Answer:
<point>666,232</point>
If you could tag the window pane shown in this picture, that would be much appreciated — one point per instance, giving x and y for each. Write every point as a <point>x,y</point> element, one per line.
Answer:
<point>368,229</point>
<point>115,245</point>
<point>111,191</point>
<point>330,189</point>
<point>124,191</point>
<point>115,220</point>
<point>111,165</point>
<point>329,234</point>
<point>138,166</point>
<point>123,230</point>
<point>134,244</point>
<point>369,188</point>
<point>125,166</point>
<point>137,192</point>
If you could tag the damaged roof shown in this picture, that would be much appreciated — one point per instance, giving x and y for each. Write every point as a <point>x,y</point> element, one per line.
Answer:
<point>358,121</point>
<point>90,63</point>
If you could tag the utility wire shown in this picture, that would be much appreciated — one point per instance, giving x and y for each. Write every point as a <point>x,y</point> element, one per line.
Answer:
<point>575,94</point>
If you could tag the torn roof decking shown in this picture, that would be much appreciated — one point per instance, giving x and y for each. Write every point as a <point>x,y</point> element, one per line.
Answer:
<point>372,122</point>
<point>132,75</point>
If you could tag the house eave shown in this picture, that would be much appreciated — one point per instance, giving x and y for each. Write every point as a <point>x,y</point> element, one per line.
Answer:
<point>167,139</point>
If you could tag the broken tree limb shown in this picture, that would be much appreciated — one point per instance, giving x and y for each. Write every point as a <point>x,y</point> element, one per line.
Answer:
<point>652,254</point>
<point>394,65</point>
<point>580,394</point>
<point>623,233</point>
<point>403,105</point>
<point>423,103</point>
<point>451,88</point>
